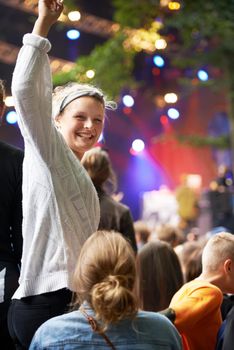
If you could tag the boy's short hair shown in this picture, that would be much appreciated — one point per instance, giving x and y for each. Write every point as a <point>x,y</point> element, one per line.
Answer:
<point>218,249</point>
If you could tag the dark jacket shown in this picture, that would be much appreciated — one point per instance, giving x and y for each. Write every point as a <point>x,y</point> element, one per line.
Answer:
<point>116,216</point>
<point>11,160</point>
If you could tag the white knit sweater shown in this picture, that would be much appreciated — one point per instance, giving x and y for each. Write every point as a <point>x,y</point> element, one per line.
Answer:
<point>60,204</point>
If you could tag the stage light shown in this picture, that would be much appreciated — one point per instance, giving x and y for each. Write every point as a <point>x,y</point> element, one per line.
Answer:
<point>74,16</point>
<point>171,97</point>
<point>9,101</point>
<point>90,73</point>
<point>138,145</point>
<point>164,120</point>
<point>202,75</point>
<point>160,44</point>
<point>128,100</point>
<point>173,113</point>
<point>174,5</point>
<point>11,117</point>
<point>158,61</point>
<point>73,34</point>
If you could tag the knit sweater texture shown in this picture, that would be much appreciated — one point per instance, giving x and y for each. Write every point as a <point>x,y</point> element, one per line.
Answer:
<point>60,203</point>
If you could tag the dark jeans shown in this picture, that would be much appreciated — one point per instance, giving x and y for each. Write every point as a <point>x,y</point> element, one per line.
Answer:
<point>10,285</point>
<point>27,314</point>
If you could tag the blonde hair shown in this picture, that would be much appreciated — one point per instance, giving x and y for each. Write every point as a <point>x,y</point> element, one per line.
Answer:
<point>65,94</point>
<point>218,249</point>
<point>105,275</point>
<point>98,165</point>
<point>170,234</point>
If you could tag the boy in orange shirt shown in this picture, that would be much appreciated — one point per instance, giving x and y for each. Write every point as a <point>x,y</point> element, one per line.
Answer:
<point>197,304</point>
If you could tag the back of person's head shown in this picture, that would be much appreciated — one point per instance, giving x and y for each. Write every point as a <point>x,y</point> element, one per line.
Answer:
<point>2,97</point>
<point>159,275</point>
<point>170,234</point>
<point>105,276</point>
<point>64,94</point>
<point>98,165</point>
<point>218,250</point>
<point>193,266</point>
<point>186,251</point>
<point>142,231</point>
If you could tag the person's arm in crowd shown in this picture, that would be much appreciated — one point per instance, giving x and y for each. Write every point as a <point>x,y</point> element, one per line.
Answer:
<point>189,309</point>
<point>48,13</point>
<point>31,83</point>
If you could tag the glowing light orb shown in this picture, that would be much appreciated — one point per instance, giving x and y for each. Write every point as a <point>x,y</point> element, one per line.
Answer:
<point>9,101</point>
<point>173,113</point>
<point>138,145</point>
<point>160,44</point>
<point>158,61</point>
<point>74,16</point>
<point>202,75</point>
<point>11,117</point>
<point>90,73</point>
<point>128,101</point>
<point>171,97</point>
<point>73,34</point>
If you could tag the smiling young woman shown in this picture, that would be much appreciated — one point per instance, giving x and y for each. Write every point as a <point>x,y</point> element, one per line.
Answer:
<point>60,204</point>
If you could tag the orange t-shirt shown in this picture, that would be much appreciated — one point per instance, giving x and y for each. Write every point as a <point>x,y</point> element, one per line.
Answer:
<point>198,317</point>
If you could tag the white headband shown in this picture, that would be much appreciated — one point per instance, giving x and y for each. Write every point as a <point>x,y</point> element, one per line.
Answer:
<point>71,96</point>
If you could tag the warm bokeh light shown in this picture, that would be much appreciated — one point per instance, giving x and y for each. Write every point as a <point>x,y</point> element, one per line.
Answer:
<point>90,73</point>
<point>174,5</point>
<point>160,44</point>
<point>9,101</point>
<point>74,16</point>
<point>62,18</point>
<point>164,120</point>
<point>127,110</point>
<point>164,3</point>
<point>171,97</point>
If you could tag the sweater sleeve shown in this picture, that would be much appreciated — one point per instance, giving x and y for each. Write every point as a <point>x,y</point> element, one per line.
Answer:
<point>192,307</point>
<point>32,92</point>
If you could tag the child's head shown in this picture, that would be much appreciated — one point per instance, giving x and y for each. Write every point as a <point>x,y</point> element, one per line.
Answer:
<point>105,276</point>
<point>218,259</point>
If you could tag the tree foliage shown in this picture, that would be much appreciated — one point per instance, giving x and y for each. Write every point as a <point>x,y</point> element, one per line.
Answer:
<point>204,35</point>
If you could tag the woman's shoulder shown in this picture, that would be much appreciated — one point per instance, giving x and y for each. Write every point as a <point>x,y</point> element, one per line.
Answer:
<point>153,318</point>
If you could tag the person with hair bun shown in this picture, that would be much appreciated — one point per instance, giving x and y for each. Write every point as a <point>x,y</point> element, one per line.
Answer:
<point>108,316</point>
<point>113,215</point>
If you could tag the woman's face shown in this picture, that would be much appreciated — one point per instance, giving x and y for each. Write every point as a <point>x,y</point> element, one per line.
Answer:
<point>81,124</point>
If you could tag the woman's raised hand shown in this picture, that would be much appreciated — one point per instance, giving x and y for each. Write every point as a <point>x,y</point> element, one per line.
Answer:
<point>48,13</point>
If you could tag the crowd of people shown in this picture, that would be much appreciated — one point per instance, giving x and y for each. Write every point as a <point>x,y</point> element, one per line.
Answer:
<point>80,273</point>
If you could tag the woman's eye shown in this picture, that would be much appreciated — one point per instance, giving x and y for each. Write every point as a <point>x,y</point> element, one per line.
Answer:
<point>80,117</point>
<point>98,121</point>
